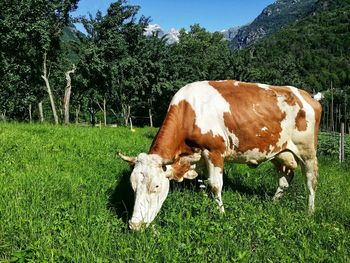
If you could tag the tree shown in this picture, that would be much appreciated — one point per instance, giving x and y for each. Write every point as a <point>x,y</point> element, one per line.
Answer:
<point>109,68</point>
<point>30,41</point>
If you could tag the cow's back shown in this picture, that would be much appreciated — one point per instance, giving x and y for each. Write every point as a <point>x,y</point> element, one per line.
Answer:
<point>247,121</point>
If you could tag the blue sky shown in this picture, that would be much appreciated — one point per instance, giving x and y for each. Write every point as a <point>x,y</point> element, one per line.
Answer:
<point>214,15</point>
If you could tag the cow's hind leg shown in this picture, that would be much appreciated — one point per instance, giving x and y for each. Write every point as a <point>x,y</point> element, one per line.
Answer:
<point>215,165</point>
<point>285,164</point>
<point>310,171</point>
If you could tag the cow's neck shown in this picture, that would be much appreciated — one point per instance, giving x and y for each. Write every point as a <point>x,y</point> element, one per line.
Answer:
<point>169,142</point>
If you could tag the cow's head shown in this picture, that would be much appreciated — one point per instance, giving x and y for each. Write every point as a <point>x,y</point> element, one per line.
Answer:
<point>150,183</point>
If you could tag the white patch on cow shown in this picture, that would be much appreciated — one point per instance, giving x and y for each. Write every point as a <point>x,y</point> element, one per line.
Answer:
<point>236,83</point>
<point>264,86</point>
<point>287,123</point>
<point>215,180</point>
<point>253,156</point>
<point>209,107</point>
<point>309,111</point>
<point>306,138</point>
<point>264,128</point>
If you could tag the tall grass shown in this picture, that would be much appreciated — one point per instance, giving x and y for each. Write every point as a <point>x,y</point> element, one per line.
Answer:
<point>65,197</point>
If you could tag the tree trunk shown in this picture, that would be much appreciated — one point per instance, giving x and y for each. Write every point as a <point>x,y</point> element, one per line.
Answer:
<point>30,113</point>
<point>45,77</point>
<point>327,116</point>
<point>104,112</point>
<point>67,94</point>
<point>103,109</point>
<point>126,113</point>
<point>77,111</point>
<point>150,117</point>
<point>92,116</point>
<point>331,112</point>
<point>41,115</point>
<point>346,114</point>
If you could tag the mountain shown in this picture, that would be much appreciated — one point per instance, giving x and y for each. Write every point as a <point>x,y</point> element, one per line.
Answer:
<point>312,53</point>
<point>272,18</point>
<point>230,33</point>
<point>172,36</point>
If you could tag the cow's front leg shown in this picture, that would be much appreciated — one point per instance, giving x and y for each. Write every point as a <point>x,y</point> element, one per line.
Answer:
<point>215,164</point>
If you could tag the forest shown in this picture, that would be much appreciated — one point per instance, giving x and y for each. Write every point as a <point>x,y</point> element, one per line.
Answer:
<point>113,73</point>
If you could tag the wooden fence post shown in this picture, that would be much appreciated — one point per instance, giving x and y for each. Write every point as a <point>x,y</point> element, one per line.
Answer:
<point>342,143</point>
<point>131,128</point>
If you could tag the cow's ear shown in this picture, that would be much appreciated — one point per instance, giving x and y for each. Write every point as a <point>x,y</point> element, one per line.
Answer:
<point>131,160</point>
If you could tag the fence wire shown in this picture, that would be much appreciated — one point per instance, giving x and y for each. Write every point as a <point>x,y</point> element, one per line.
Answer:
<point>329,144</point>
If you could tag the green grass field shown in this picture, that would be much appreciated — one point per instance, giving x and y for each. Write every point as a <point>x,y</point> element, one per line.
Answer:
<point>64,197</point>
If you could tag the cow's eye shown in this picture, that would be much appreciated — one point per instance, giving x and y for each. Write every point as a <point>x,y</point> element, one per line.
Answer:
<point>164,168</point>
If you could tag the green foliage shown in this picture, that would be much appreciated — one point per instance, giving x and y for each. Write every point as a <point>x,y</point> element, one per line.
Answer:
<point>329,144</point>
<point>65,196</point>
<point>310,53</point>
<point>28,29</point>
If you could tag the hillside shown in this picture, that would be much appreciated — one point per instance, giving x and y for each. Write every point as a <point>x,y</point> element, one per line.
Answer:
<point>272,18</point>
<point>71,42</point>
<point>313,51</point>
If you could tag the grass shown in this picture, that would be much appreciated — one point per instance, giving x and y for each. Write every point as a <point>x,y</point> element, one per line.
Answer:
<point>65,197</point>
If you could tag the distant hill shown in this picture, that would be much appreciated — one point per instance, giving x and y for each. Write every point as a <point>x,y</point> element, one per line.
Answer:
<point>71,42</point>
<point>272,18</point>
<point>312,53</point>
<point>231,33</point>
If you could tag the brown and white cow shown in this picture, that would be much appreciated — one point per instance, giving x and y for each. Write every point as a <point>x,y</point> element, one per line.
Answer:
<point>216,120</point>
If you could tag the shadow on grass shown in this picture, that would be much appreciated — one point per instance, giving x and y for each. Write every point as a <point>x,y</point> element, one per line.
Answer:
<point>232,182</point>
<point>238,183</point>
<point>121,198</point>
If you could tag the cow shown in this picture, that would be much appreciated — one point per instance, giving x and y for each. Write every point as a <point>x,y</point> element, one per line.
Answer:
<point>210,121</point>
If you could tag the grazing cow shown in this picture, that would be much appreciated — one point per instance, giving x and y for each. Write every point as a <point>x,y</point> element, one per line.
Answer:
<point>215,120</point>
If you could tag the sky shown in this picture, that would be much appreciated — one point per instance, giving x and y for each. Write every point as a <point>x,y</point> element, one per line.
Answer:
<point>213,15</point>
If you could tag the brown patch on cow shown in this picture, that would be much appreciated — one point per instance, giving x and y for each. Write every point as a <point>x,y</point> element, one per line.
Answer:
<point>253,109</point>
<point>180,136</point>
<point>169,142</point>
<point>300,121</point>
<point>288,95</point>
<point>216,159</point>
<point>179,168</point>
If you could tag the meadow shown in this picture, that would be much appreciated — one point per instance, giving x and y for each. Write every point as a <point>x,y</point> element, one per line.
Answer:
<point>65,197</point>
